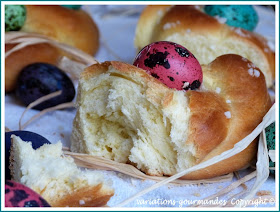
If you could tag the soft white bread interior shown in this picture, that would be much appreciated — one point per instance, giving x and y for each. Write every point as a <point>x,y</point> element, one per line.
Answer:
<point>205,36</point>
<point>128,116</point>
<point>56,177</point>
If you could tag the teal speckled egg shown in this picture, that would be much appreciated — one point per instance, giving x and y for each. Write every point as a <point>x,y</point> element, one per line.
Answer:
<point>243,16</point>
<point>270,139</point>
<point>74,7</point>
<point>15,16</point>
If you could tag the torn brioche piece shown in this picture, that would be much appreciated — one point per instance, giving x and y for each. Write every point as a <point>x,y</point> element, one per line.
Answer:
<point>126,115</point>
<point>56,177</point>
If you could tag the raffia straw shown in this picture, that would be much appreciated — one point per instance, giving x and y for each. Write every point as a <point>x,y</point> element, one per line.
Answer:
<point>234,197</point>
<point>238,147</point>
<point>70,66</point>
<point>25,39</point>
<point>245,188</point>
<point>95,162</point>
<point>262,166</point>
<point>230,187</point>
<point>64,148</point>
<point>238,177</point>
<point>57,107</point>
<point>38,101</point>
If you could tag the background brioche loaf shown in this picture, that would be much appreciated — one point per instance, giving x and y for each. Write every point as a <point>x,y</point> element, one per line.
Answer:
<point>203,35</point>
<point>56,177</point>
<point>128,116</point>
<point>72,27</point>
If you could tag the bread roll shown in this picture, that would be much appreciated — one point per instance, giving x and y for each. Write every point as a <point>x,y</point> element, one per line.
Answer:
<point>204,36</point>
<point>128,116</point>
<point>56,177</point>
<point>72,27</point>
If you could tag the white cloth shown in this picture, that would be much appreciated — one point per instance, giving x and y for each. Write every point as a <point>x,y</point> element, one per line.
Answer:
<point>117,28</point>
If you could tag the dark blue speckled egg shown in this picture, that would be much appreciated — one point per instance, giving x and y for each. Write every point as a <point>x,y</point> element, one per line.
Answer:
<point>40,79</point>
<point>243,16</point>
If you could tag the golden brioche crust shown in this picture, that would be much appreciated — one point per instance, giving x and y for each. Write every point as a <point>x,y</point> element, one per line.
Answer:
<point>73,27</point>
<point>248,101</point>
<point>183,22</point>
<point>93,196</point>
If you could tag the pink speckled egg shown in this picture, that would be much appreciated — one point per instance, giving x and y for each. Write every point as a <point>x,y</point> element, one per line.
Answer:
<point>172,64</point>
<point>19,195</point>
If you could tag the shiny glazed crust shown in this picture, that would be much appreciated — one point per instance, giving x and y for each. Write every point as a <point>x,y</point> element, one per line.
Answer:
<point>93,196</point>
<point>247,100</point>
<point>73,27</point>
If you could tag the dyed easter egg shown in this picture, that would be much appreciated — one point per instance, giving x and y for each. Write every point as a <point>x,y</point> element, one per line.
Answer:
<point>15,16</point>
<point>40,79</point>
<point>243,16</point>
<point>18,195</point>
<point>172,64</point>
<point>270,139</point>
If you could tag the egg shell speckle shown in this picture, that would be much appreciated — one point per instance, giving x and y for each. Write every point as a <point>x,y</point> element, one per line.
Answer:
<point>172,64</point>
<point>243,16</point>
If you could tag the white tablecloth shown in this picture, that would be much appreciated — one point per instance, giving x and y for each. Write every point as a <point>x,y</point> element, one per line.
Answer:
<point>117,27</point>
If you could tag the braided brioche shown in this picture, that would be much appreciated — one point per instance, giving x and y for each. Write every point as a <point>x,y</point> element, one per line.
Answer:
<point>204,36</point>
<point>72,27</point>
<point>128,116</point>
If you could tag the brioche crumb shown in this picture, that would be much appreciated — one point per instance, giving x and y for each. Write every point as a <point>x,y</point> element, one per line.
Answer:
<point>149,132</point>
